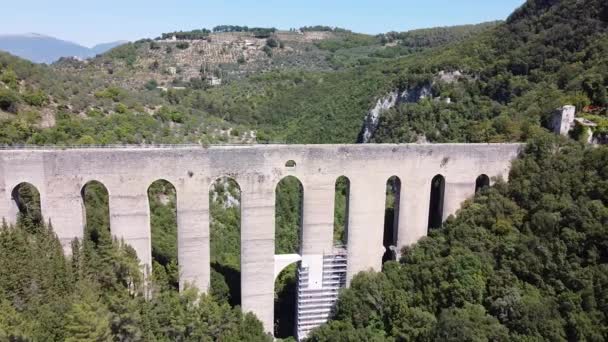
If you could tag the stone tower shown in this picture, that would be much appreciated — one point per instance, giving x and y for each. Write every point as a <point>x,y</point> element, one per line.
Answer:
<point>563,120</point>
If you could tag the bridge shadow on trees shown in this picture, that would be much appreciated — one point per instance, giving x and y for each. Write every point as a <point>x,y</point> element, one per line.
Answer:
<point>226,283</point>
<point>285,302</point>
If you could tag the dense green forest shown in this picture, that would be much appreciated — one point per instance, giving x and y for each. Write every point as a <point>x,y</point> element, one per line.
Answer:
<point>546,55</point>
<point>524,260</point>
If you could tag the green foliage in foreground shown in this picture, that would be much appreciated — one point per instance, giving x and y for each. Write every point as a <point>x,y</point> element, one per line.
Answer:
<point>97,294</point>
<point>525,260</point>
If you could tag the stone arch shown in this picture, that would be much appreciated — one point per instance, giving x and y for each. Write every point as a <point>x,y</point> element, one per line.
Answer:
<point>96,211</point>
<point>26,202</point>
<point>281,262</point>
<point>341,209</point>
<point>225,237</point>
<point>162,201</point>
<point>391,218</point>
<point>289,200</point>
<point>481,182</point>
<point>436,202</point>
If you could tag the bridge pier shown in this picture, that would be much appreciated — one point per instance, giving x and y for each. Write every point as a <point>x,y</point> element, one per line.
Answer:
<point>317,226</point>
<point>457,190</point>
<point>414,209</point>
<point>365,225</point>
<point>130,220</point>
<point>318,215</point>
<point>64,208</point>
<point>257,248</point>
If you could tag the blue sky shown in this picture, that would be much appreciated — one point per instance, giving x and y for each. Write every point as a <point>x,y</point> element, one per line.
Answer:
<point>92,21</point>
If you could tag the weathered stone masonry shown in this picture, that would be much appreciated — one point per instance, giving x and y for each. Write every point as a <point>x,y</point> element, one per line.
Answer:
<point>60,174</point>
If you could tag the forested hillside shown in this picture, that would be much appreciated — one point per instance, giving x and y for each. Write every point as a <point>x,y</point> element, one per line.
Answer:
<point>547,54</point>
<point>502,79</point>
<point>325,84</point>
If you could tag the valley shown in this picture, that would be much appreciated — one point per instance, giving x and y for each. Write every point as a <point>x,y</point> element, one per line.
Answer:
<point>522,260</point>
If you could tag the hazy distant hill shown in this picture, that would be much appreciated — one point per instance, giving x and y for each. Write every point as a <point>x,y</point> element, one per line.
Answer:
<point>101,48</point>
<point>44,49</point>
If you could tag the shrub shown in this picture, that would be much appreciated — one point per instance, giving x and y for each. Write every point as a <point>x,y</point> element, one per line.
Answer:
<point>151,85</point>
<point>182,45</point>
<point>154,65</point>
<point>267,50</point>
<point>9,100</point>
<point>36,98</point>
<point>120,108</point>
<point>272,42</point>
<point>114,93</point>
<point>86,140</point>
<point>9,77</point>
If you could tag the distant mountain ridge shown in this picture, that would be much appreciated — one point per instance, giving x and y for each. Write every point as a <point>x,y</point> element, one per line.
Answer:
<point>40,48</point>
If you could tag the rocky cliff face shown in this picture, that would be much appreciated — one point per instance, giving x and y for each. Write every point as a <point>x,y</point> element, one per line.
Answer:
<point>392,99</point>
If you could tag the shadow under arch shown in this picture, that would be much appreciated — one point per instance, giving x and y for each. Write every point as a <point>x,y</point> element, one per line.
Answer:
<point>96,205</point>
<point>436,202</point>
<point>391,218</point>
<point>483,181</point>
<point>341,210</point>
<point>289,201</point>
<point>225,239</point>
<point>162,199</point>
<point>26,199</point>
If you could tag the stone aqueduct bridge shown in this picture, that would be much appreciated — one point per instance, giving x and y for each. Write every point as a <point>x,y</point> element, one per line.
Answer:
<point>60,174</point>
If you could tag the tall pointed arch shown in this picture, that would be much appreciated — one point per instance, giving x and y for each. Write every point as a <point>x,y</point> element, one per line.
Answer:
<point>26,198</point>
<point>162,198</point>
<point>391,218</point>
<point>341,207</point>
<point>225,232</point>
<point>436,202</point>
